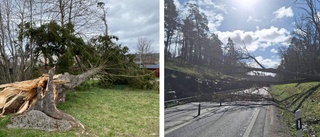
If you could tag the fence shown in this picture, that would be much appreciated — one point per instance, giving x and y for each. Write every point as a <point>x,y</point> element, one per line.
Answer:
<point>179,101</point>
<point>217,96</point>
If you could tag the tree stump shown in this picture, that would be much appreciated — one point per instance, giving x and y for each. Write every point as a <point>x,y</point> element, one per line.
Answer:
<point>47,104</point>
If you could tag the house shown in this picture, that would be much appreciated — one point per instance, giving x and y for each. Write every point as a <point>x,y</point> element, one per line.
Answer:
<point>148,58</point>
<point>153,67</point>
<point>149,61</point>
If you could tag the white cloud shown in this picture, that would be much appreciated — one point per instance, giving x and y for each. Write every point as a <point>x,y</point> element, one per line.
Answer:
<point>274,51</point>
<point>283,12</point>
<point>273,34</point>
<point>250,18</point>
<point>299,31</point>
<point>215,21</point>
<point>213,11</point>
<point>177,3</point>
<point>209,4</point>
<point>268,63</point>
<point>258,39</point>
<point>130,20</point>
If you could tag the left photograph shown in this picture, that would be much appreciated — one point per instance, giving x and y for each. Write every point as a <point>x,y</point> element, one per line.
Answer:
<point>79,68</point>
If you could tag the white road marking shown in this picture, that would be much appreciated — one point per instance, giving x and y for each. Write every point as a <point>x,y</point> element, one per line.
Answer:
<point>253,120</point>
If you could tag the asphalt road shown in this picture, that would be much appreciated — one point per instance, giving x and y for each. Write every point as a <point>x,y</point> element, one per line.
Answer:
<point>233,119</point>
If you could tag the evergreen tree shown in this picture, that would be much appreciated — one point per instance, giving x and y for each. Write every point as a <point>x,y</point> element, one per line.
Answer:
<point>170,23</point>
<point>231,55</point>
<point>195,29</point>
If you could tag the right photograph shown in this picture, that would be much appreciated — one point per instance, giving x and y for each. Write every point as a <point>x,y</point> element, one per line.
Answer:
<point>241,68</point>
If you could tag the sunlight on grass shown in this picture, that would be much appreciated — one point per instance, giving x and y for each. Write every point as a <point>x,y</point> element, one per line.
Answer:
<point>288,95</point>
<point>107,112</point>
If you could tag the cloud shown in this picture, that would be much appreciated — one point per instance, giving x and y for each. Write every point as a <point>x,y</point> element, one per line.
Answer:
<point>209,4</point>
<point>250,18</point>
<point>274,51</point>
<point>214,12</point>
<point>130,20</point>
<point>283,12</point>
<point>258,39</point>
<point>268,63</point>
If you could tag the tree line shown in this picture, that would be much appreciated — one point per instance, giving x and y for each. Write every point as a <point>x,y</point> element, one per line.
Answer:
<point>303,54</point>
<point>193,43</point>
<point>188,40</point>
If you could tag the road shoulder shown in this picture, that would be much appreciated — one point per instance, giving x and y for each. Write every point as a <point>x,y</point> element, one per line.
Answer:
<point>275,125</point>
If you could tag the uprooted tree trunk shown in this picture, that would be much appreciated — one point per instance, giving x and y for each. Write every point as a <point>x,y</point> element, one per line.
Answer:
<point>73,81</point>
<point>41,94</point>
<point>297,78</point>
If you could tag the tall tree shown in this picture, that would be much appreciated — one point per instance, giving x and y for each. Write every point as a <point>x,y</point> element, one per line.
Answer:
<point>195,29</point>
<point>213,54</point>
<point>170,23</point>
<point>58,45</point>
<point>231,55</point>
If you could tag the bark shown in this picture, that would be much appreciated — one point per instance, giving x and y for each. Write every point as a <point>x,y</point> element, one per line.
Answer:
<point>73,81</point>
<point>76,80</point>
<point>47,104</point>
<point>299,77</point>
<point>305,77</point>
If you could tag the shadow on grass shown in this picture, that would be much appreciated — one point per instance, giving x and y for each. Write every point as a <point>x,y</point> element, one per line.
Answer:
<point>298,98</point>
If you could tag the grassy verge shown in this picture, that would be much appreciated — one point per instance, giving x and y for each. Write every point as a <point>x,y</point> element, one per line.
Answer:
<point>105,112</point>
<point>289,97</point>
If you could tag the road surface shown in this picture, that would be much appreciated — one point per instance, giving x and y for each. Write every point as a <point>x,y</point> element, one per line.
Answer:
<point>232,119</point>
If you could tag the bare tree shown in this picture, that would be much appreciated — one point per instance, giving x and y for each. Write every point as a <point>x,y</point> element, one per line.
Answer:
<point>103,18</point>
<point>7,45</point>
<point>145,47</point>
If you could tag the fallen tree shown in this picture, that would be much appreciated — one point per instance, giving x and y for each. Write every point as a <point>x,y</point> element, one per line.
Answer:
<point>41,94</point>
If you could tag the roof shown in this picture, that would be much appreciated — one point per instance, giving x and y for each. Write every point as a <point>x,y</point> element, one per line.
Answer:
<point>152,66</point>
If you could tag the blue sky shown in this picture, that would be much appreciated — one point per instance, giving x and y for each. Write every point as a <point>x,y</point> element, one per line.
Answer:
<point>264,25</point>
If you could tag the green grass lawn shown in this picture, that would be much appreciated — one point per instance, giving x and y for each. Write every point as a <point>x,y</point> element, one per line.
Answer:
<point>289,96</point>
<point>105,112</point>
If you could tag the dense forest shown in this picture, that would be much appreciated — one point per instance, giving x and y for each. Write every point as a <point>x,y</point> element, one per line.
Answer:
<point>188,40</point>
